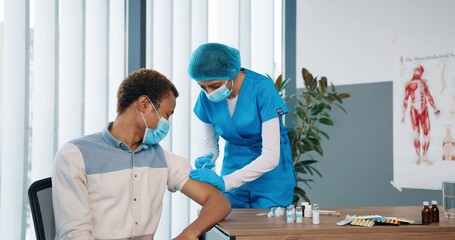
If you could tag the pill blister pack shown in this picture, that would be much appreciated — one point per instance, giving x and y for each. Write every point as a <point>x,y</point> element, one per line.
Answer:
<point>387,221</point>
<point>407,221</point>
<point>362,222</point>
<point>347,220</point>
<point>371,220</point>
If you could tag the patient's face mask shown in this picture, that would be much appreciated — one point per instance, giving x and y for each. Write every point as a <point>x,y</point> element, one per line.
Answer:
<point>154,136</point>
<point>220,94</point>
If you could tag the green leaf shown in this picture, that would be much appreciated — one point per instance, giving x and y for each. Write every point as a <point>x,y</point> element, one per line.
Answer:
<point>341,107</point>
<point>305,166</point>
<point>285,82</point>
<point>323,84</point>
<point>332,87</point>
<point>319,150</point>
<point>307,182</point>
<point>308,161</point>
<point>300,113</point>
<point>324,134</point>
<point>308,142</point>
<point>314,88</point>
<point>325,114</point>
<point>315,170</point>
<point>303,180</point>
<point>300,167</point>
<point>326,121</point>
<point>315,141</point>
<point>313,134</point>
<point>300,146</point>
<point>317,109</point>
<point>299,193</point>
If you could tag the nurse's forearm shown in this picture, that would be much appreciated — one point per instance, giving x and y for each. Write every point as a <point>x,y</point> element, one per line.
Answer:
<point>210,141</point>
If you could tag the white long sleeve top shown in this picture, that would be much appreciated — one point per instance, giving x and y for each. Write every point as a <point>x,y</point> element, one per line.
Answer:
<point>267,161</point>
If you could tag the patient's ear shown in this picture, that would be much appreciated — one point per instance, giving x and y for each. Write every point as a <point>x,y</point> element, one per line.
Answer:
<point>143,103</point>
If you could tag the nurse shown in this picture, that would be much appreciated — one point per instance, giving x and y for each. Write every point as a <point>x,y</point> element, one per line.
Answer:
<point>245,109</point>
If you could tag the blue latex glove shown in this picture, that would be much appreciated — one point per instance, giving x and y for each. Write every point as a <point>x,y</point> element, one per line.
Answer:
<point>208,176</point>
<point>204,161</point>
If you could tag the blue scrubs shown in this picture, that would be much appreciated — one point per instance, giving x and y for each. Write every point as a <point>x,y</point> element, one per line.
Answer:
<point>258,102</point>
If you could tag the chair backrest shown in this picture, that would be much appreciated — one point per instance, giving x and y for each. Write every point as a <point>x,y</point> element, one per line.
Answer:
<point>40,198</point>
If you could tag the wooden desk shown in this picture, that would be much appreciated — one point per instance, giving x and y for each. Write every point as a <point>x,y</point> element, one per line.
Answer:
<point>245,224</point>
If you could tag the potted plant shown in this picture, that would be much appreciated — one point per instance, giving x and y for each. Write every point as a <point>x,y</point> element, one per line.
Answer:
<point>312,111</point>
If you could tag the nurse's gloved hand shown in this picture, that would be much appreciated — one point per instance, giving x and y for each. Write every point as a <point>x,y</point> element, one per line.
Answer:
<point>208,176</point>
<point>204,161</point>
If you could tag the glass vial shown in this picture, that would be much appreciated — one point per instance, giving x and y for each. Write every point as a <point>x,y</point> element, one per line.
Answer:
<point>298,214</point>
<point>434,211</point>
<point>290,214</point>
<point>315,213</point>
<point>426,213</point>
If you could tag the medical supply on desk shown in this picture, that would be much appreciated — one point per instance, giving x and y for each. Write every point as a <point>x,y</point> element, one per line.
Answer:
<point>307,211</point>
<point>290,214</point>
<point>362,222</point>
<point>327,212</point>
<point>315,211</point>
<point>426,213</point>
<point>348,219</point>
<point>434,211</point>
<point>298,214</point>
<point>371,220</point>
<point>276,212</point>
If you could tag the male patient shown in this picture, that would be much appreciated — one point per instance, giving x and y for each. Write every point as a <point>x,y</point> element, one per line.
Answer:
<point>110,185</point>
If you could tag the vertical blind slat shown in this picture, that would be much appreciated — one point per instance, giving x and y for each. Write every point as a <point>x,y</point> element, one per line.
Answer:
<point>262,34</point>
<point>117,56</point>
<point>15,119</point>
<point>71,74</point>
<point>44,91</point>
<point>96,83</point>
<point>245,33</point>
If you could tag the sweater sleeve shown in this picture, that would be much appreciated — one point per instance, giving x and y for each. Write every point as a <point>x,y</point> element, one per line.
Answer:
<point>70,196</point>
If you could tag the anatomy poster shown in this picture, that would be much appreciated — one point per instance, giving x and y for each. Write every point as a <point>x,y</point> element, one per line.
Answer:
<point>423,112</point>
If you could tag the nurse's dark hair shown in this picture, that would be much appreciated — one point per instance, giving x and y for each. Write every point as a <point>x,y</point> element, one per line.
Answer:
<point>144,82</point>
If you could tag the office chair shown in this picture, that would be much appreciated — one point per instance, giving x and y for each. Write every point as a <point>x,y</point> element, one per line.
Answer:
<point>40,198</point>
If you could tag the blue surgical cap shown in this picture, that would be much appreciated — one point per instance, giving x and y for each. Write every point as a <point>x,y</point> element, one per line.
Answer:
<point>212,61</point>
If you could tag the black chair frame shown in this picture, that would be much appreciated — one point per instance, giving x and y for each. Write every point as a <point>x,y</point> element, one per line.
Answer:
<point>35,205</point>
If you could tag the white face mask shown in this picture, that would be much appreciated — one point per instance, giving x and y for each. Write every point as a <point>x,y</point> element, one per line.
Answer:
<point>221,93</point>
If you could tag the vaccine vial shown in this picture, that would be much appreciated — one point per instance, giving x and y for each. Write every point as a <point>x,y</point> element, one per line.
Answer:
<point>315,213</point>
<point>426,213</point>
<point>290,214</point>
<point>434,211</point>
<point>298,214</point>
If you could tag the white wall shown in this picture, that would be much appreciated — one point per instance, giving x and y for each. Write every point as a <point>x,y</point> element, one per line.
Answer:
<point>350,41</point>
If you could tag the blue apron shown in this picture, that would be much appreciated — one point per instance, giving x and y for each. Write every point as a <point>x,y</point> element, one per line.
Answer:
<point>258,102</point>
